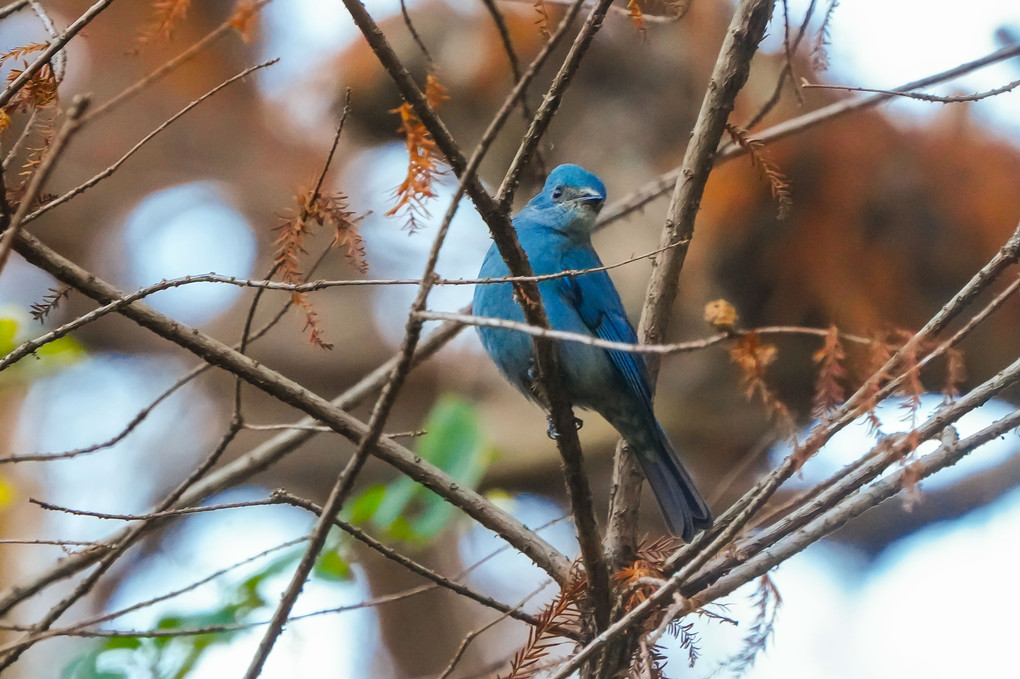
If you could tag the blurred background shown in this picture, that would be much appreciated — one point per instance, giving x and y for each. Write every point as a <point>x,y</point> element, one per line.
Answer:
<point>893,210</point>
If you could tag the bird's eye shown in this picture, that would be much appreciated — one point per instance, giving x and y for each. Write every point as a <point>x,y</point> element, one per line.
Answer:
<point>557,193</point>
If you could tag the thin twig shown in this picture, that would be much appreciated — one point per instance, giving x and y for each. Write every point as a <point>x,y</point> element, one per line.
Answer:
<point>551,101</point>
<point>732,66</point>
<point>146,139</point>
<point>409,564</point>
<point>111,556</point>
<point>54,47</point>
<point>919,95</point>
<point>40,175</point>
<point>661,185</point>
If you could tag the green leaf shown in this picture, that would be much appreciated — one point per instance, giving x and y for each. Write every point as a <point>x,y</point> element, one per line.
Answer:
<point>8,331</point>
<point>331,566</point>
<point>130,643</point>
<point>366,504</point>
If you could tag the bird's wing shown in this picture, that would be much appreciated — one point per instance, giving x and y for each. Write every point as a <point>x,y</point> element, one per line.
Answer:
<point>599,306</point>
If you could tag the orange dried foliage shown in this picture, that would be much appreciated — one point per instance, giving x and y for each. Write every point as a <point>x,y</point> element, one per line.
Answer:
<point>423,156</point>
<point>543,18</point>
<point>911,388</point>
<point>650,562</point>
<point>911,477</point>
<point>880,350</point>
<point>562,613</point>
<point>637,16</point>
<point>5,120</point>
<point>956,373</point>
<point>167,15</point>
<point>322,209</point>
<point>778,183</point>
<point>243,18</point>
<point>753,357</point>
<point>35,154</point>
<point>828,389</point>
<point>24,50</point>
<point>766,601</point>
<point>39,91</point>
<point>819,56</point>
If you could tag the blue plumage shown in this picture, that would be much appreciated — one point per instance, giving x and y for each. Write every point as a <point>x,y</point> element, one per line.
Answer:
<point>555,231</point>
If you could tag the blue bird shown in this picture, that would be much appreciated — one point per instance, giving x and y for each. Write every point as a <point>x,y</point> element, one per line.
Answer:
<point>555,231</point>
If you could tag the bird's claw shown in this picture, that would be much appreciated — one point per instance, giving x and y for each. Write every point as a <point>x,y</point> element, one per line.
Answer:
<point>553,434</point>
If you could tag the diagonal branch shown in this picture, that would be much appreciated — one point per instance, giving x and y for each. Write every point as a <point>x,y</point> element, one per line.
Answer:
<point>288,391</point>
<point>729,75</point>
<point>47,54</point>
<point>39,177</point>
<point>495,216</point>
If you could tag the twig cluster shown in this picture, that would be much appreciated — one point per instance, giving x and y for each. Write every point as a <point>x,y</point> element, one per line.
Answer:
<point>617,600</point>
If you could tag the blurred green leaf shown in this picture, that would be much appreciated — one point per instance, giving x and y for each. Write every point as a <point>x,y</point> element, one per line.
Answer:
<point>122,642</point>
<point>8,331</point>
<point>332,566</point>
<point>454,443</point>
<point>364,507</point>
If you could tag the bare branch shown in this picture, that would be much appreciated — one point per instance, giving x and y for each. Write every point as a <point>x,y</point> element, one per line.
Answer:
<point>134,149</point>
<point>40,175</point>
<point>55,46</point>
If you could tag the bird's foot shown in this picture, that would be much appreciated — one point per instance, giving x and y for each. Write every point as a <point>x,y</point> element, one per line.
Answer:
<point>553,434</point>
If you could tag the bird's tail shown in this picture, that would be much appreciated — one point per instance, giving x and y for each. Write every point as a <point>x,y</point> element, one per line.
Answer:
<point>682,506</point>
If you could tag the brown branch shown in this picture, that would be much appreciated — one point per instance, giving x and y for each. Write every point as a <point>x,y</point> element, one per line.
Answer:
<point>54,47</point>
<point>40,175</point>
<point>11,8</point>
<point>515,69</point>
<point>284,497</point>
<point>551,101</point>
<point>110,556</point>
<point>1009,87</point>
<point>817,529</point>
<point>495,216</point>
<point>661,185</point>
<point>293,394</point>
<point>731,69</point>
<point>147,138</point>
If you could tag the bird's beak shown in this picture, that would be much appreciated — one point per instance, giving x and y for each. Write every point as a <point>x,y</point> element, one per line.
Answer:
<point>591,197</point>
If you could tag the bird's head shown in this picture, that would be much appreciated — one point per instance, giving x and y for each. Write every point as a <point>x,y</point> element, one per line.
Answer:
<point>573,196</point>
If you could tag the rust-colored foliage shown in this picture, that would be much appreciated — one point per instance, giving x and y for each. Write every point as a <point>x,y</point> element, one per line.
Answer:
<point>40,90</point>
<point>542,20</point>
<point>5,120</point>
<point>35,155</point>
<point>167,15</point>
<point>828,388</point>
<point>23,51</point>
<point>323,209</point>
<point>635,583</point>
<point>561,614</point>
<point>912,387</point>
<point>956,373</point>
<point>243,18</point>
<point>423,156</point>
<point>637,16</point>
<point>778,183</point>
<point>880,350</point>
<point>767,602</point>
<point>819,57</point>
<point>334,210</point>
<point>753,356</point>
